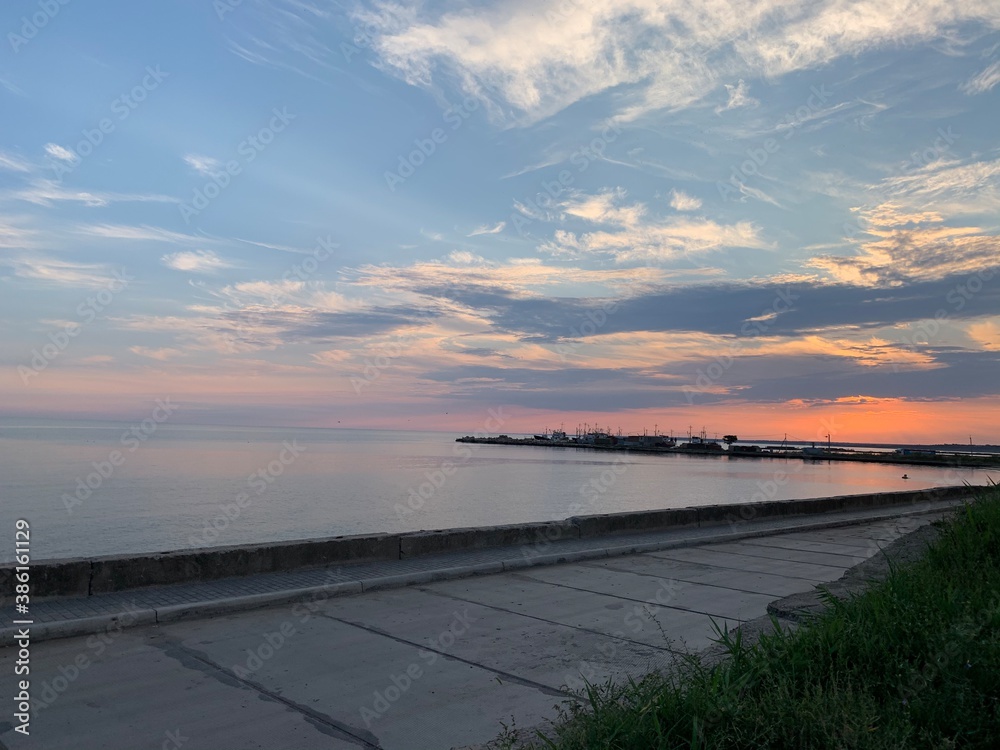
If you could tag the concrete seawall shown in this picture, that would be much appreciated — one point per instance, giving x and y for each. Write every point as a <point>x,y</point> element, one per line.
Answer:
<point>97,575</point>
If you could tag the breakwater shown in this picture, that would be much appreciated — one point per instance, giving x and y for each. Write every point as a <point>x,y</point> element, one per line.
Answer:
<point>906,457</point>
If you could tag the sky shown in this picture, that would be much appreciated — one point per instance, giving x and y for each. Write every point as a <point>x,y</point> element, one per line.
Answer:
<point>760,218</point>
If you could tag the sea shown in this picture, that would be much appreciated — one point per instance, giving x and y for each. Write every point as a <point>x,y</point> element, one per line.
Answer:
<point>103,488</point>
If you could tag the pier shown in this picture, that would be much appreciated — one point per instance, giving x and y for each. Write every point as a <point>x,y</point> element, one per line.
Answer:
<point>703,447</point>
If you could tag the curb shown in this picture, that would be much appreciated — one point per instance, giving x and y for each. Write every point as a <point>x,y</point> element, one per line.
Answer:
<point>212,608</point>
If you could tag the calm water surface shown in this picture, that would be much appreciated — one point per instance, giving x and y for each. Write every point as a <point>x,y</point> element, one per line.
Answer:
<point>169,490</point>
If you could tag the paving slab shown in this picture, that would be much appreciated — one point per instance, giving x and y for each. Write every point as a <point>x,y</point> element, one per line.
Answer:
<point>549,657</point>
<point>715,601</point>
<point>644,620</point>
<point>860,546</point>
<point>750,581</point>
<point>808,545</point>
<point>773,552</point>
<point>385,691</point>
<point>131,694</point>
<point>736,562</point>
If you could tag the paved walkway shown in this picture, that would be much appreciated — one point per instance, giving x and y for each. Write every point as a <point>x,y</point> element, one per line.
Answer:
<point>438,664</point>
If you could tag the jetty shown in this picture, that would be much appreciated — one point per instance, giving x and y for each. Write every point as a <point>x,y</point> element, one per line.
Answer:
<point>727,448</point>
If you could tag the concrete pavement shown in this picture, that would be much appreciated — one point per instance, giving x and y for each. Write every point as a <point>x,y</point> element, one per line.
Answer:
<point>438,664</point>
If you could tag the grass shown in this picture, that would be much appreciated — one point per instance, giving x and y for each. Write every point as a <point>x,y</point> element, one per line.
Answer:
<point>914,662</point>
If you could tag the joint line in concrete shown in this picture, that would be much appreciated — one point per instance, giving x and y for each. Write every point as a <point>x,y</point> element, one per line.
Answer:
<point>508,675</point>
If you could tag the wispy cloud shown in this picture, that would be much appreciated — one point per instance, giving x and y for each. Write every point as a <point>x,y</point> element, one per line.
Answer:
<point>202,164</point>
<point>13,234</point>
<point>59,152</point>
<point>948,185</point>
<point>13,163</point>
<point>739,96</point>
<point>485,229</point>
<point>681,201</point>
<point>45,192</point>
<point>144,232</point>
<point>638,237</point>
<point>61,272</point>
<point>758,194</point>
<point>983,81</point>
<point>194,261</point>
<point>899,247</point>
<point>10,86</point>
<point>162,354</point>
<point>528,62</point>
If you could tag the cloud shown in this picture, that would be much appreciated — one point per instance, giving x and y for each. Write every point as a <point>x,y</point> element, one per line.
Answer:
<point>143,232</point>
<point>983,81</point>
<point>681,201</point>
<point>162,354</point>
<point>485,229</point>
<point>14,236</point>
<point>202,164</point>
<point>898,248</point>
<point>604,208</point>
<point>639,238</point>
<point>335,357</point>
<point>986,333</point>
<point>10,86</point>
<point>194,261</point>
<point>948,186</point>
<point>752,192</point>
<point>465,258</point>
<point>515,277</point>
<point>739,96</point>
<point>44,192</point>
<point>529,61</point>
<point>59,152</point>
<point>13,163</point>
<point>61,272</point>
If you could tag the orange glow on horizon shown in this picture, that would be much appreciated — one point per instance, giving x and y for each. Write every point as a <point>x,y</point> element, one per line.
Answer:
<point>265,397</point>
